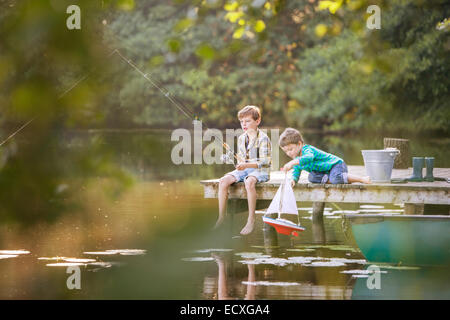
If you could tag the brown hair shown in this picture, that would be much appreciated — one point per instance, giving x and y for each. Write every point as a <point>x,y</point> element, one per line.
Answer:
<point>290,136</point>
<point>252,111</point>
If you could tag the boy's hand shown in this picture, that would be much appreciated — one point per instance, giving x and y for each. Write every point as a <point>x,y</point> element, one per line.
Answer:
<point>292,183</point>
<point>241,166</point>
<point>239,159</point>
<point>288,166</point>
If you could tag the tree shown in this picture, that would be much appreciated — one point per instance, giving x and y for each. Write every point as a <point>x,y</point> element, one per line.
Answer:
<point>44,77</point>
<point>306,63</point>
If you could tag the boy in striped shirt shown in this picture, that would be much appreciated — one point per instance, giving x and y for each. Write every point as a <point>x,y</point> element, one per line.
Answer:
<point>323,167</point>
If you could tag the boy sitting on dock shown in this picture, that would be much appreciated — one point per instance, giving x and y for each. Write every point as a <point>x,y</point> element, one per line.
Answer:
<point>254,160</point>
<point>323,167</point>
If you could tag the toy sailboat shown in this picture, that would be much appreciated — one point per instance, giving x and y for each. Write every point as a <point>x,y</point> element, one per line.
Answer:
<point>283,202</point>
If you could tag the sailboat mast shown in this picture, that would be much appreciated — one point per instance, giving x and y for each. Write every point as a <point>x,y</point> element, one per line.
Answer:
<point>280,207</point>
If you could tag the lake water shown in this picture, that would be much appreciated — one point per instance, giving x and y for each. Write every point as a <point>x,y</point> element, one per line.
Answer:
<point>154,240</point>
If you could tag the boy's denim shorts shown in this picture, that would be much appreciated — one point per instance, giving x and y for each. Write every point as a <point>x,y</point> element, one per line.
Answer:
<point>241,175</point>
<point>337,175</point>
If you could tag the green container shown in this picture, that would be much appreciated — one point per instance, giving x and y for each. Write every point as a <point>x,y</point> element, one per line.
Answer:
<point>403,239</point>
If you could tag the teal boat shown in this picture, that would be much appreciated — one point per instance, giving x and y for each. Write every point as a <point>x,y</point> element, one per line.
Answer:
<point>402,239</point>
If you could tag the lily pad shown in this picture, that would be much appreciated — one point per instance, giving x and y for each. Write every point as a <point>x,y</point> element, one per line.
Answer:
<point>274,261</point>
<point>7,256</point>
<point>14,252</point>
<point>79,260</point>
<point>198,259</point>
<point>211,250</point>
<point>252,255</point>
<point>65,264</point>
<point>52,258</point>
<point>325,264</point>
<point>270,283</point>
<point>124,252</point>
<point>266,247</point>
<point>362,271</point>
<point>303,260</point>
<point>302,250</point>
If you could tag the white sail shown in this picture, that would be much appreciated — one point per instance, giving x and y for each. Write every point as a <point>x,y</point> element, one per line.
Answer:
<point>274,206</point>
<point>287,204</point>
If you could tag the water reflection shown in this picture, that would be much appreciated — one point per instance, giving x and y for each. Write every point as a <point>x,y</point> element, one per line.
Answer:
<point>405,283</point>
<point>14,252</point>
<point>318,229</point>
<point>263,281</point>
<point>299,268</point>
<point>89,264</point>
<point>66,264</point>
<point>7,256</point>
<point>223,292</point>
<point>170,221</point>
<point>281,268</point>
<point>124,252</point>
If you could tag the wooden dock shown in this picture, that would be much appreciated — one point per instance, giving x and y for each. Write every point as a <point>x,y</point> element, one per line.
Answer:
<point>415,195</point>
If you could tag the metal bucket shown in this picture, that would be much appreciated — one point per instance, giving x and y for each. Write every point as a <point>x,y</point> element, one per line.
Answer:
<point>379,164</point>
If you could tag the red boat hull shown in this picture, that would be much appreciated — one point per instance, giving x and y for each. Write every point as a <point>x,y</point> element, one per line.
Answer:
<point>282,228</point>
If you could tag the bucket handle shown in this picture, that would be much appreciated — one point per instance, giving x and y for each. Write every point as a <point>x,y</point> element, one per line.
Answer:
<point>394,151</point>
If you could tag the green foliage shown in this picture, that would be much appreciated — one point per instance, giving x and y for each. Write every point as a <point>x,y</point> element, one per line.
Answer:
<point>201,63</point>
<point>392,79</point>
<point>44,78</point>
<point>305,64</point>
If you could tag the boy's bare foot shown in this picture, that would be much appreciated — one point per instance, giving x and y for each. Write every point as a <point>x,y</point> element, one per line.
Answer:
<point>217,258</point>
<point>219,222</point>
<point>248,227</point>
<point>366,179</point>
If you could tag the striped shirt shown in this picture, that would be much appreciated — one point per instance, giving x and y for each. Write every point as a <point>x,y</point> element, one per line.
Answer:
<point>258,150</point>
<point>314,159</point>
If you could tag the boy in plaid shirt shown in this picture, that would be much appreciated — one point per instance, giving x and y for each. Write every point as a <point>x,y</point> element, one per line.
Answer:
<point>254,160</point>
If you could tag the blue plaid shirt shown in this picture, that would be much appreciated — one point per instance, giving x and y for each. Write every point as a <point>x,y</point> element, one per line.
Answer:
<point>258,151</point>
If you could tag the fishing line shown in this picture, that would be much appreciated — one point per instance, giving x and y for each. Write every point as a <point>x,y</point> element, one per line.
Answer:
<point>180,106</point>
<point>164,91</point>
<point>184,109</point>
<point>15,132</point>
<point>76,83</point>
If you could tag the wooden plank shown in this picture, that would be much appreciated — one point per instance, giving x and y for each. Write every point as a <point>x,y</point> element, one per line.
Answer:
<point>413,209</point>
<point>317,212</point>
<point>412,192</point>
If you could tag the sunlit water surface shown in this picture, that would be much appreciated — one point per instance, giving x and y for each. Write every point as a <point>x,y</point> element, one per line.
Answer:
<point>154,241</point>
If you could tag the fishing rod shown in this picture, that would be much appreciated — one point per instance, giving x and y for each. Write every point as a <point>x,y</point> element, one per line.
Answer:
<point>76,83</point>
<point>15,132</point>
<point>185,110</point>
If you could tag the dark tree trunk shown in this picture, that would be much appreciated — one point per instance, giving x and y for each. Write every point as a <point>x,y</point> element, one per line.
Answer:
<point>403,160</point>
